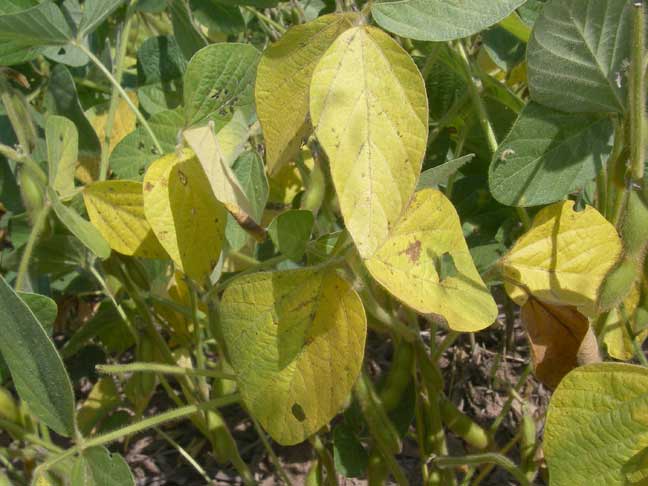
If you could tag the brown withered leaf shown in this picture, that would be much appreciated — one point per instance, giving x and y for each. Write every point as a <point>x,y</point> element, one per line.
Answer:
<point>560,337</point>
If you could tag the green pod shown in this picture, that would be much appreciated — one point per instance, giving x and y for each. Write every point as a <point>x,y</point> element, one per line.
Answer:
<point>136,272</point>
<point>314,196</point>
<point>464,426</point>
<point>398,377</point>
<point>8,407</point>
<point>380,426</point>
<point>31,190</point>
<point>528,435</point>
<point>618,284</point>
<point>634,231</point>
<point>377,471</point>
<point>314,476</point>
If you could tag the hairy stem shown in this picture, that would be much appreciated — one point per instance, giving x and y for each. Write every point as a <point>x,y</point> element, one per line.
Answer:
<point>37,229</point>
<point>637,94</point>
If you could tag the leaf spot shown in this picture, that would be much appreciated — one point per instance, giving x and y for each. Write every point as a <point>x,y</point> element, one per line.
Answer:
<point>298,412</point>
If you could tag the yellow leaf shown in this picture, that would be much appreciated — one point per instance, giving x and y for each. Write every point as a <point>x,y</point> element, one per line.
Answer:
<point>563,258</point>
<point>560,339</point>
<point>615,333</point>
<point>116,209</point>
<point>296,341</point>
<point>184,214</point>
<point>410,264</point>
<point>283,84</point>
<point>370,112</point>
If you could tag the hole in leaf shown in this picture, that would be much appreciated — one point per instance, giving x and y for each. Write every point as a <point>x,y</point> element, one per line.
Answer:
<point>445,266</point>
<point>298,412</point>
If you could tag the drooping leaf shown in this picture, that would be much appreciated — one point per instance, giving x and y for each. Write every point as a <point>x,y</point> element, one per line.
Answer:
<point>440,20</point>
<point>547,155</point>
<point>425,263</point>
<point>43,308</point>
<point>290,232</point>
<point>185,216</point>
<point>560,339</point>
<point>296,342</point>
<point>116,209</point>
<point>36,368</point>
<point>283,84</point>
<point>596,426</point>
<point>563,258</point>
<point>369,109</point>
<point>576,55</point>
<point>62,153</point>
<point>219,79</point>
<point>98,467</point>
<point>184,30</point>
<point>79,227</point>
<point>132,156</point>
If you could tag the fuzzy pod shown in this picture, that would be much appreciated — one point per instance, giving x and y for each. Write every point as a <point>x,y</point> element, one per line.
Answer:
<point>8,407</point>
<point>32,190</point>
<point>634,231</point>
<point>618,284</point>
<point>528,443</point>
<point>399,376</point>
<point>464,426</point>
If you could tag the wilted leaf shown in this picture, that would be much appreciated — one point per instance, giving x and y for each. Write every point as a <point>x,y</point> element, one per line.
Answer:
<point>184,214</point>
<point>596,427</point>
<point>296,341</point>
<point>116,209</point>
<point>425,263</point>
<point>560,338</point>
<point>369,109</point>
<point>36,368</point>
<point>563,258</point>
<point>440,20</point>
<point>283,84</point>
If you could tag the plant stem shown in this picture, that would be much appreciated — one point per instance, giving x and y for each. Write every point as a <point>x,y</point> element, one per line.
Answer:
<point>37,229</point>
<point>325,459</point>
<point>184,454</point>
<point>485,458</point>
<point>112,110</point>
<point>21,433</point>
<point>273,457</point>
<point>637,93</point>
<point>124,95</point>
<point>164,369</point>
<point>266,20</point>
<point>147,423</point>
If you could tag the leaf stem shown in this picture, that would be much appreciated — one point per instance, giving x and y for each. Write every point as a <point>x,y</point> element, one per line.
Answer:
<point>21,433</point>
<point>124,95</point>
<point>164,369</point>
<point>37,229</point>
<point>485,458</point>
<point>112,110</point>
<point>266,20</point>
<point>637,93</point>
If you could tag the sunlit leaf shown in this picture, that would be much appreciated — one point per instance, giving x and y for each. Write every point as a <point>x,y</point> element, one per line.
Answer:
<point>184,214</point>
<point>116,209</point>
<point>296,341</point>
<point>62,153</point>
<point>98,467</point>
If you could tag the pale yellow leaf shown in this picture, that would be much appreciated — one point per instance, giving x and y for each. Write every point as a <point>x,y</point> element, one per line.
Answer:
<point>563,258</point>
<point>370,112</point>
<point>184,214</point>
<point>615,333</point>
<point>116,209</point>
<point>409,265</point>
<point>296,341</point>
<point>283,84</point>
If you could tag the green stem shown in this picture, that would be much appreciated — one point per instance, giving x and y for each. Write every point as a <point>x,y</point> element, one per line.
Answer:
<point>637,93</point>
<point>147,423</point>
<point>184,454</point>
<point>37,229</point>
<point>325,459</point>
<point>198,338</point>
<point>124,95</point>
<point>271,453</point>
<point>112,110</point>
<point>485,458</point>
<point>21,433</point>
<point>163,369</point>
<point>266,20</point>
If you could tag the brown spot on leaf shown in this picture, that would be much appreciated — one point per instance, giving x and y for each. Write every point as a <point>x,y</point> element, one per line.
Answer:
<point>413,251</point>
<point>148,187</point>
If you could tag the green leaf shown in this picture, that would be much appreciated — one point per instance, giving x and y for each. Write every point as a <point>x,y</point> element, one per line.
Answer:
<point>440,20</point>
<point>62,153</point>
<point>41,25</point>
<point>79,227</point>
<point>10,193</point>
<point>290,232</point>
<point>596,427</point>
<point>351,458</point>
<point>576,55</point>
<point>44,308</point>
<point>218,17</point>
<point>219,79</point>
<point>132,156</point>
<point>36,368</point>
<point>94,13</point>
<point>440,174</point>
<point>547,155</point>
<point>159,59</point>
<point>296,341</point>
<point>189,39</point>
<point>251,3</point>
<point>283,85</point>
<point>98,467</point>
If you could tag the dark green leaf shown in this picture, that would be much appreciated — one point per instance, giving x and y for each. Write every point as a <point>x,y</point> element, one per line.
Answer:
<point>189,39</point>
<point>98,467</point>
<point>95,12</point>
<point>440,174</point>
<point>218,17</point>
<point>44,308</point>
<point>36,367</point>
<point>290,232</point>
<point>350,456</point>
